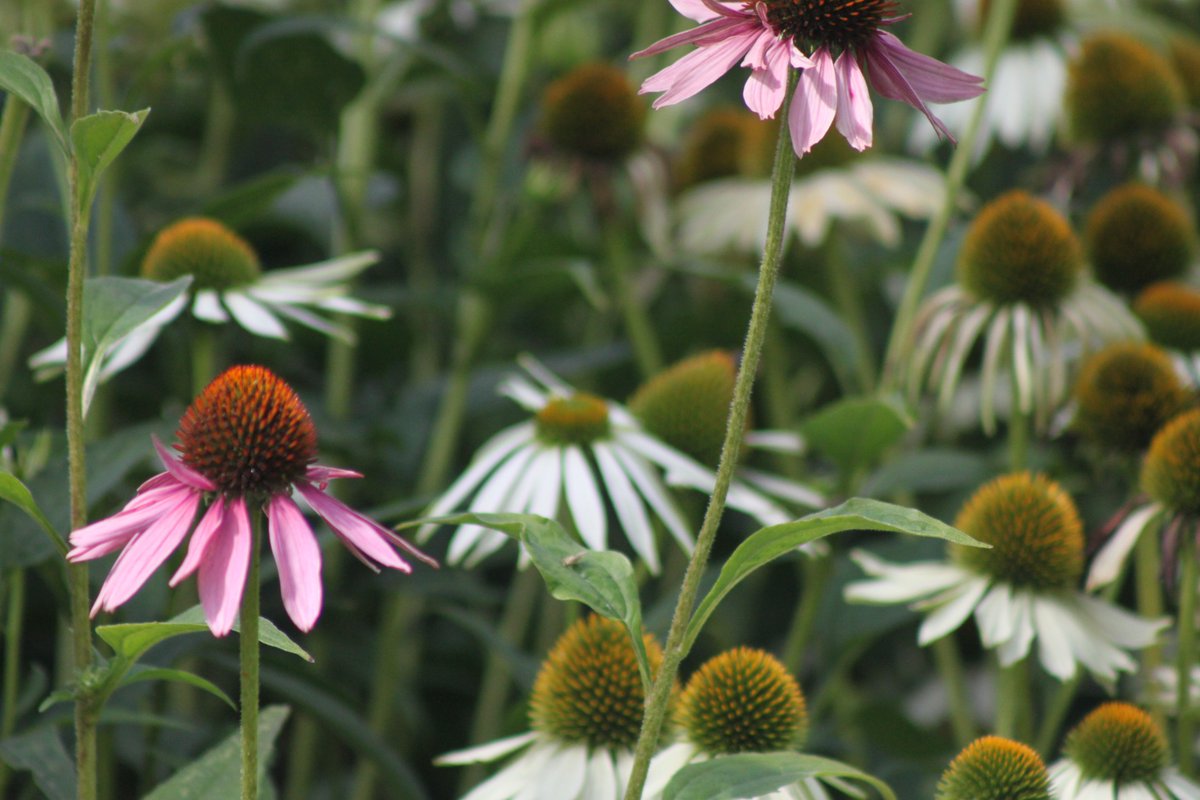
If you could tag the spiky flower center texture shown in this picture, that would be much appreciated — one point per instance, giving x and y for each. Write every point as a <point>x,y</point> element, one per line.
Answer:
<point>743,700</point>
<point>836,24</point>
<point>579,419</point>
<point>995,768</point>
<point>1171,471</point>
<point>248,433</point>
<point>1136,235</point>
<point>594,112</point>
<point>687,405</point>
<point>1171,313</point>
<point>215,257</point>
<point>1033,18</point>
<point>1118,88</point>
<point>1020,249</point>
<point>1034,530</point>
<point>588,689</point>
<point>1118,742</point>
<point>1125,393</point>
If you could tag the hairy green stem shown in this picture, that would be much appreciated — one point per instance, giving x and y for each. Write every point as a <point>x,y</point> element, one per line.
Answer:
<point>646,350</point>
<point>660,693</point>
<point>1185,657</point>
<point>995,37</point>
<point>14,616</point>
<point>248,662</point>
<point>950,669</point>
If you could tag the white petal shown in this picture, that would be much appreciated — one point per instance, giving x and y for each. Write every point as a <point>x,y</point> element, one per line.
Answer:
<point>996,616</point>
<point>782,487</point>
<point>951,615</point>
<point>601,780</point>
<point>651,487</point>
<point>583,498</point>
<point>630,510</point>
<point>775,441</point>
<point>492,498</point>
<point>207,306</point>
<point>564,775</point>
<point>254,316</point>
<point>1106,566</point>
<point>486,752</point>
<point>1054,647</point>
<point>901,583</point>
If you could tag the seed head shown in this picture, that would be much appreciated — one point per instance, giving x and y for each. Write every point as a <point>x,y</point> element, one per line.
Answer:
<point>1171,313</point>
<point>215,257</point>
<point>1019,249</point>
<point>687,405</point>
<point>1118,88</point>
<point>593,112</point>
<point>836,24</point>
<point>743,700</point>
<point>1171,471</point>
<point>579,419</point>
<point>248,433</point>
<point>1136,235</point>
<point>1118,742</point>
<point>1034,530</point>
<point>994,768</point>
<point>1125,393</point>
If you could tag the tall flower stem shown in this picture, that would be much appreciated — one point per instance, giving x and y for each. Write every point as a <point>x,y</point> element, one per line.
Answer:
<point>1012,700</point>
<point>1185,657</point>
<point>756,333</point>
<point>204,356</point>
<point>1147,567</point>
<point>13,617</point>
<point>77,574</point>
<point>1018,435</point>
<point>248,661</point>
<point>995,37</point>
<point>950,669</point>
<point>646,350</point>
<point>1053,716</point>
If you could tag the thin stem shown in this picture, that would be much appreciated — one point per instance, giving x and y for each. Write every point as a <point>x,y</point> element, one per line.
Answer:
<point>1185,657</point>
<point>1053,716</point>
<point>1147,567</point>
<point>204,356</point>
<point>646,350</point>
<point>14,616</point>
<point>77,574</point>
<point>995,37</point>
<point>816,569</point>
<point>1012,700</point>
<point>1018,435</point>
<point>660,693</point>
<point>950,669</point>
<point>248,652</point>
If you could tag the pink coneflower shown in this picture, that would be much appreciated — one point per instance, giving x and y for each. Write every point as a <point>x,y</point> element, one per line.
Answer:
<point>246,442</point>
<point>848,44</point>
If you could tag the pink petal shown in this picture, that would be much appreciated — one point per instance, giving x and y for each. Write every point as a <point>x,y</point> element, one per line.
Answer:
<point>766,85</point>
<point>145,552</point>
<point>112,533</point>
<point>854,112</point>
<point>700,68</point>
<point>182,472</point>
<point>299,559</point>
<point>322,475</point>
<point>934,81</point>
<point>209,525</point>
<point>701,11</point>
<point>224,568</point>
<point>709,33</point>
<point>364,535</point>
<point>814,103</point>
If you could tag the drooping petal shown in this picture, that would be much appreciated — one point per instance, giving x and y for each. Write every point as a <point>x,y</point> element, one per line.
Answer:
<point>299,560</point>
<point>180,471</point>
<point>366,535</point>
<point>224,568</point>
<point>322,475</point>
<point>1106,566</point>
<point>112,533</point>
<point>814,103</point>
<point>202,537</point>
<point>628,504</point>
<point>701,67</point>
<point>767,83</point>
<point>950,615</point>
<point>488,752</point>
<point>584,500</point>
<point>700,10</point>
<point>854,112</point>
<point>710,31</point>
<point>254,316</point>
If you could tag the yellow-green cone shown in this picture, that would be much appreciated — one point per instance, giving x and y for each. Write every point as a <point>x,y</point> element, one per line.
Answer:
<point>1118,88</point>
<point>1125,393</point>
<point>1118,742</point>
<point>995,768</point>
<point>1136,236</point>
<point>593,112</point>
<point>687,404</point>
<point>1171,471</point>
<point>1171,313</point>
<point>215,256</point>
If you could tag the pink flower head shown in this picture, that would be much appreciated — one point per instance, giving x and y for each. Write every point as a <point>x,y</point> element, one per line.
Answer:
<point>848,46</point>
<point>246,442</point>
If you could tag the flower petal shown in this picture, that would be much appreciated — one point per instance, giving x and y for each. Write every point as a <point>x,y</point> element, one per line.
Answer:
<point>224,568</point>
<point>486,752</point>
<point>202,537</point>
<point>1106,565</point>
<point>364,535</point>
<point>854,112</point>
<point>112,533</point>
<point>701,67</point>
<point>629,507</point>
<point>299,560</point>
<point>767,83</point>
<point>180,471</point>
<point>584,500</point>
<point>254,316</point>
<point>814,103</point>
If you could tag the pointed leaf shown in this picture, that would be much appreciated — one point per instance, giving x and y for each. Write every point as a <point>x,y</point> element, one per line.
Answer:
<point>12,490</point>
<point>97,140</point>
<point>601,580</point>
<point>855,431</point>
<point>756,774</point>
<point>767,544</point>
<point>22,77</point>
<point>131,640</point>
<point>41,752</point>
<point>139,674</point>
<point>216,775</point>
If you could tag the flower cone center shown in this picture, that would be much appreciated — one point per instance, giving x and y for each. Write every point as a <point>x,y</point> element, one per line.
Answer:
<point>1034,530</point>
<point>1118,742</point>
<point>248,433</point>
<point>215,257</point>
<point>1171,471</point>
<point>593,112</point>
<point>836,24</point>
<point>994,768</point>
<point>744,700</point>
<point>1136,236</point>
<point>579,419</point>
<point>588,689</point>
<point>687,405</point>
<point>1125,394</point>
<point>1171,313</point>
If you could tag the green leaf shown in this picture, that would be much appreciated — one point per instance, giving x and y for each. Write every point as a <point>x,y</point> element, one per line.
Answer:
<point>112,309</point>
<point>216,775</point>
<point>855,432</point>
<point>22,77</point>
<point>41,752</point>
<point>754,774</point>
<point>12,490</point>
<point>129,641</point>
<point>140,674</point>
<point>98,139</point>
<point>930,470</point>
<point>767,544</point>
<point>601,580</point>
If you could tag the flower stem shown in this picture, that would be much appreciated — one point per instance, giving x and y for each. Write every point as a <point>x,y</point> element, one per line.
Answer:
<point>646,350</point>
<point>14,616</point>
<point>660,693</point>
<point>1147,567</point>
<point>204,356</point>
<point>817,569</point>
<point>1185,657</point>
<point>1012,700</point>
<point>248,651</point>
<point>950,668</point>
<point>995,37</point>
<point>1053,716</point>
<point>1018,435</point>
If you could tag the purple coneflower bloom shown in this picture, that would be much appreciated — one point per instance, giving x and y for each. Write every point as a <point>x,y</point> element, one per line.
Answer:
<point>848,45</point>
<point>246,442</point>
